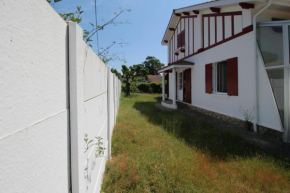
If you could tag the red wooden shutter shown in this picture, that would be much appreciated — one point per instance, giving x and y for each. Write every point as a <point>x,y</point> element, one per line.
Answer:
<point>181,39</point>
<point>208,78</point>
<point>232,76</point>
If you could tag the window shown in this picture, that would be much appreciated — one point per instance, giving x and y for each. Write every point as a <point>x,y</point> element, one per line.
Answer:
<point>181,39</point>
<point>180,80</point>
<point>276,77</point>
<point>220,77</point>
<point>271,48</point>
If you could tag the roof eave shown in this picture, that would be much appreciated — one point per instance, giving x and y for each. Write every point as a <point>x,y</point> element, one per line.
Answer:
<point>216,4</point>
<point>168,26</point>
<point>203,6</point>
<point>182,65</point>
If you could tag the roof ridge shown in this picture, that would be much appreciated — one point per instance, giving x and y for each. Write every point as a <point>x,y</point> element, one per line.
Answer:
<point>198,4</point>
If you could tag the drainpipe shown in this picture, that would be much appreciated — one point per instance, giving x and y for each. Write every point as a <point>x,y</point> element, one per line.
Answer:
<point>256,59</point>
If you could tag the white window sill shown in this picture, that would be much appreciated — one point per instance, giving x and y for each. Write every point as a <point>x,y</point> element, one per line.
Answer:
<point>220,94</point>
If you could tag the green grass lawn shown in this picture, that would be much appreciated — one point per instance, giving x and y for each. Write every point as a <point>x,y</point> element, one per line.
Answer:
<point>168,151</point>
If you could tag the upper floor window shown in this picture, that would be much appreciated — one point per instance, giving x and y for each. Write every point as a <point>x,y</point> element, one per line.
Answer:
<point>181,39</point>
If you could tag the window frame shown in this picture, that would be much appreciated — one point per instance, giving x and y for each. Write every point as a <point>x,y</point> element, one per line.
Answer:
<point>214,79</point>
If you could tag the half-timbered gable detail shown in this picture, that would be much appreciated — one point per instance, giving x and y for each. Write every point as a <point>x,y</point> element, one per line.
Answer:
<point>219,27</point>
<point>182,42</point>
<point>194,31</point>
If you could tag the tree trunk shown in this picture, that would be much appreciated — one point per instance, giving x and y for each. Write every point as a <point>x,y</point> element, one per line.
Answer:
<point>128,91</point>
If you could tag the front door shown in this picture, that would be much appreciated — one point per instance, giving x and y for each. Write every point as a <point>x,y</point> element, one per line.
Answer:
<point>187,86</point>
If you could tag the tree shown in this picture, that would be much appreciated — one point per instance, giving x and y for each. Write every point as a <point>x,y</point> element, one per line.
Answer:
<point>152,65</point>
<point>130,74</point>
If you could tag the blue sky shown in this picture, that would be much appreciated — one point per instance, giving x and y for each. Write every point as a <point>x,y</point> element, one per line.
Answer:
<point>148,21</point>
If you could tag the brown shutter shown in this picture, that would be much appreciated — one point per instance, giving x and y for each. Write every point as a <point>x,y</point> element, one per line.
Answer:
<point>181,39</point>
<point>208,78</point>
<point>232,76</point>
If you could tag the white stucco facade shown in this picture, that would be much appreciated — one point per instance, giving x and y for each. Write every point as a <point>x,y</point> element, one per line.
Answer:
<point>218,37</point>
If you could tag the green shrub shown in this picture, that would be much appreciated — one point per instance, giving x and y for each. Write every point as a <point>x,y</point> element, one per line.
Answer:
<point>134,87</point>
<point>150,87</point>
<point>143,87</point>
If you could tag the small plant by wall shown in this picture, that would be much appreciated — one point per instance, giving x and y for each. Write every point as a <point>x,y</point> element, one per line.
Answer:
<point>99,152</point>
<point>247,114</point>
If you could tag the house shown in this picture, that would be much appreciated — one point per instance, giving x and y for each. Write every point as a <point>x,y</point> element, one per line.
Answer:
<point>231,56</point>
<point>150,78</point>
<point>154,78</point>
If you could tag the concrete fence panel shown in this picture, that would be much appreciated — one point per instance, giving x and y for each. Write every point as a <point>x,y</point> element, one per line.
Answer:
<point>96,107</point>
<point>53,91</point>
<point>34,107</point>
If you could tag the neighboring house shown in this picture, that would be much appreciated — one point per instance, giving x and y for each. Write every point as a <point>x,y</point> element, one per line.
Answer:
<point>150,78</point>
<point>215,62</point>
<point>154,78</point>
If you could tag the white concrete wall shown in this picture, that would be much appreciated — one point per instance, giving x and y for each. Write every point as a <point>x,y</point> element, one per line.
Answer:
<point>95,115</point>
<point>52,93</point>
<point>112,102</point>
<point>92,81</point>
<point>34,122</point>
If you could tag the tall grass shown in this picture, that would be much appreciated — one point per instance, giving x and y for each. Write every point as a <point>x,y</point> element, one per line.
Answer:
<point>168,151</point>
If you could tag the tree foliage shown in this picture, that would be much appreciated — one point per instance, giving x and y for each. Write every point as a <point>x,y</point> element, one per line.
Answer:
<point>74,17</point>
<point>152,64</point>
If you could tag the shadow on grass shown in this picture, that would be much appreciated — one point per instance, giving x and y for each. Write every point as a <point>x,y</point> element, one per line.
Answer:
<point>158,99</point>
<point>221,145</point>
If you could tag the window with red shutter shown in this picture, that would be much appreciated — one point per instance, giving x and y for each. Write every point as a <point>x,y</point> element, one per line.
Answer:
<point>208,78</point>
<point>232,76</point>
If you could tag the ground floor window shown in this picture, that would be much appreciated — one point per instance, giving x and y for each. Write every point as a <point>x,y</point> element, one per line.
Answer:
<point>220,77</point>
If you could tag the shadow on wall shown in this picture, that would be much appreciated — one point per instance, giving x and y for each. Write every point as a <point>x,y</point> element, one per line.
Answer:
<point>218,144</point>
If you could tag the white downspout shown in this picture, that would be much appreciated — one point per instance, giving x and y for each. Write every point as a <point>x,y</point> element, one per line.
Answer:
<point>256,63</point>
